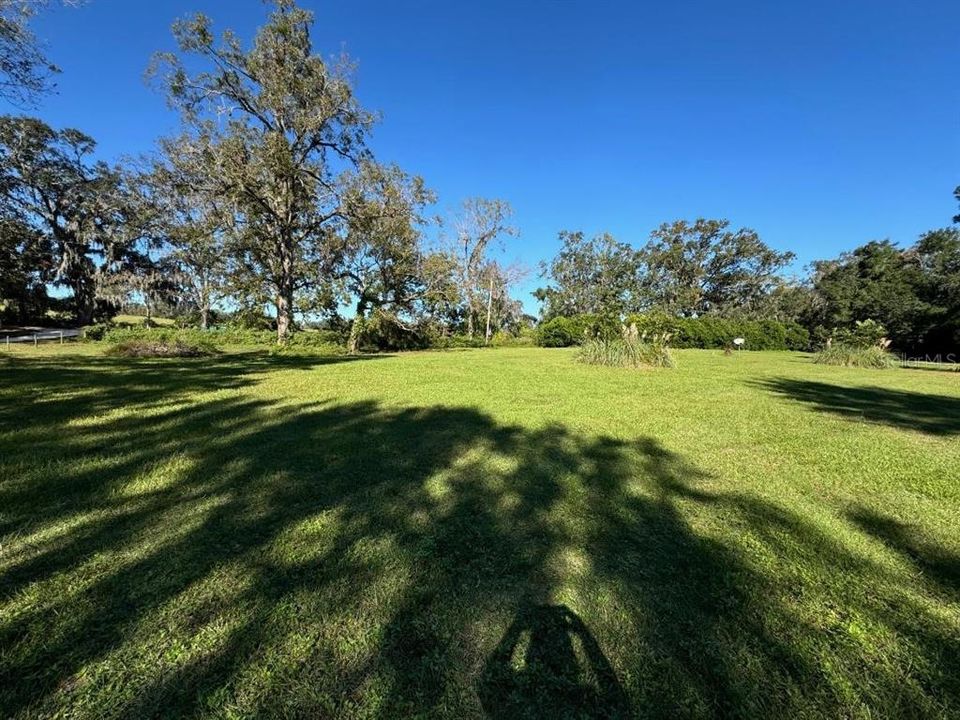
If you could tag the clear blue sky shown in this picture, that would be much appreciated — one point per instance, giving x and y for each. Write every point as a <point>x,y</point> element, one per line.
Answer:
<point>822,124</point>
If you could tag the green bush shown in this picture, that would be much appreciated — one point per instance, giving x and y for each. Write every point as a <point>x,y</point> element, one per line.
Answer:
<point>95,333</point>
<point>564,331</point>
<point>382,331</point>
<point>846,355</point>
<point>711,332</point>
<point>797,336</point>
<point>524,338</point>
<point>326,341</point>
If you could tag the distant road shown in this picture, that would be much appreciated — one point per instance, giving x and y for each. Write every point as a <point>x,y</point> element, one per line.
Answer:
<point>40,335</point>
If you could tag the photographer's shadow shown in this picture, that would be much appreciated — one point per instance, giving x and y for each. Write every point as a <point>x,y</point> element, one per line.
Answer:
<point>548,664</point>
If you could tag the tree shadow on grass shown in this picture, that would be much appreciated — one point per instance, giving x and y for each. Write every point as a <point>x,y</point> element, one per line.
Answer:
<point>938,564</point>
<point>231,556</point>
<point>924,412</point>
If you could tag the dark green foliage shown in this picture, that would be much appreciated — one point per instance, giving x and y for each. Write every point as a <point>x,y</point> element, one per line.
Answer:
<point>26,264</point>
<point>705,332</point>
<point>592,276</point>
<point>914,293</point>
<point>564,331</point>
<point>938,253</point>
<point>704,267</point>
<point>796,336</point>
<point>383,331</point>
<point>73,207</point>
<point>715,332</point>
<point>97,332</point>
<point>327,341</point>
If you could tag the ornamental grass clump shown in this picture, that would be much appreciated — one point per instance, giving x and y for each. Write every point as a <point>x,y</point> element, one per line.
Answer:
<point>629,348</point>
<point>874,356</point>
<point>865,346</point>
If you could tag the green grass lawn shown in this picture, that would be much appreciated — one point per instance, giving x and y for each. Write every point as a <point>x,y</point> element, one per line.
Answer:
<point>496,533</point>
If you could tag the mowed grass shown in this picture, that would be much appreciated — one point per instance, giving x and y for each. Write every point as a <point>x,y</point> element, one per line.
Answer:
<point>499,533</point>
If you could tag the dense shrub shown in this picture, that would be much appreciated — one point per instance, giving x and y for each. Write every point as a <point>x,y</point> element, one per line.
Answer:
<point>524,338</point>
<point>845,355</point>
<point>251,319</point>
<point>383,331</point>
<point>704,332</point>
<point>159,348</point>
<point>326,341</point>
<point>716,332</point>
<point>96,332</point>
<point>797,337</point>
<point>564,331</point>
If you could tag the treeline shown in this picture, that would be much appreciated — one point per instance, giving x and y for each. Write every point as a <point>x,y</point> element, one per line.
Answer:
<point>707,284</point>
<point>268,207</point>
<point>268,210</point>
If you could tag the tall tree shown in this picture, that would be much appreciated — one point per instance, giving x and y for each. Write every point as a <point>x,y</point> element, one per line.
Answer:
<point>502,311</point>
<point>191,221</point>
<point>379,265</point>
<point>703,267</point>
<point>481,224</point>
<point>278,129</point>
<point>938,255</point>
<point>596,275</point>
<point>876,281</point>
<point>49,182</point>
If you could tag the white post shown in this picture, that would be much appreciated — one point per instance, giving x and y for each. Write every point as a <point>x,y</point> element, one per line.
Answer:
<point>61,337</point>
<point>34,339</point>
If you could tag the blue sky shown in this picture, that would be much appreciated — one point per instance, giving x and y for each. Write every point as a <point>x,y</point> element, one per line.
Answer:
<point>821,124</point>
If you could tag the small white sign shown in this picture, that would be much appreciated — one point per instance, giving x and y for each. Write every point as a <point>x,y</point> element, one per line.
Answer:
<point>738,341</point>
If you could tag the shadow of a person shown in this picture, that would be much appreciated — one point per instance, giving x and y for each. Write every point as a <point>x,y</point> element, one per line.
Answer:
<point>548,664</point>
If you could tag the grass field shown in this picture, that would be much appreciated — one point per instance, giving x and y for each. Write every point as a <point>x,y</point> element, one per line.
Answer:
<point>480,533</point>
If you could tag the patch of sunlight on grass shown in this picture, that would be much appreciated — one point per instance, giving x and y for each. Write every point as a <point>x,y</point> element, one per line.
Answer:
<point>163,475</point>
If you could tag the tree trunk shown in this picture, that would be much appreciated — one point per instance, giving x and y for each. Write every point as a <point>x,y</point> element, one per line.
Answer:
<point>284,315</point>
<point>203,298</point>
<point>356,327</point>
<point>285,293</point>
<point>85,300</point>
<point>489,311</point>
